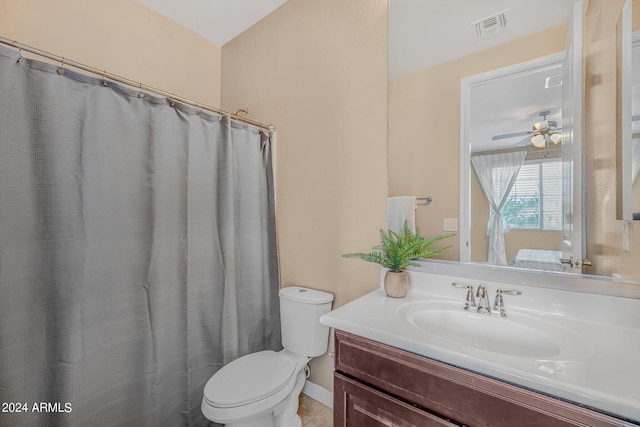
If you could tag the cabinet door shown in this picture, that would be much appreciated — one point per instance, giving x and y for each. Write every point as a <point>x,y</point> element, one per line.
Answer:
<point>454,394</point>
<point>356,405</point>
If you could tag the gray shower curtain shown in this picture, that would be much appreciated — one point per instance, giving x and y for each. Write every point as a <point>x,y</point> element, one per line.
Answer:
<point>137,250</point>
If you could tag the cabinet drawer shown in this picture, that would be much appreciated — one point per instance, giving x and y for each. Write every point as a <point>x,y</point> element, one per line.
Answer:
<point>357,405</point>
<point>462,396</point>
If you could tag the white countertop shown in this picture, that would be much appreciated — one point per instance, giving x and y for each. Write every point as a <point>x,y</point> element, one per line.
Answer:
<point>603,375</point>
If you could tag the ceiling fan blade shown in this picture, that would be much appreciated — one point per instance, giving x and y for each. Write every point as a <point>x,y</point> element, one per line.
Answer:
<point>509,135</point>
<point>524,142</point>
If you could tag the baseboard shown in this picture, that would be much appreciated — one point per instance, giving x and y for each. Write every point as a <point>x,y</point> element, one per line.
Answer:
<point>318,393</point>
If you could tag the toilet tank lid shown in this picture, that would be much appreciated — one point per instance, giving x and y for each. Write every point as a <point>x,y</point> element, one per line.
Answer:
<point>305,295</point>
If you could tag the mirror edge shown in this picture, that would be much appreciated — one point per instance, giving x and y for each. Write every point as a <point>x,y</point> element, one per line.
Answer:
<point>598,285</point>
<point>466,84</point>
<point>624,201</point>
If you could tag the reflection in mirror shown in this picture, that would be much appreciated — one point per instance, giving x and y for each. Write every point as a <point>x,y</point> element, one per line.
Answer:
<point>424,113</point>
<point>515,136</point>
<point>429,55</point>
<point>624,143</point>
<point>635,124</point>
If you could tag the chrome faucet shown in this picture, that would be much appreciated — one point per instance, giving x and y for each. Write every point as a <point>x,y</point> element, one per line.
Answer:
<point>483,306</point>
<point>498,305</point>
<point>470,301</point>
<point>483,300</point>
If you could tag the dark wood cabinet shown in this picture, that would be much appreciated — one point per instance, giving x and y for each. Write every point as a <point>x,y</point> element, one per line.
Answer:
<point>379,385</point>
<point>365,406</point>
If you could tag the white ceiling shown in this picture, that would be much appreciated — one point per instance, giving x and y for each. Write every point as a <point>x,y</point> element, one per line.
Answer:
<point>423,33</point>
<point>216,20</point>
<point>512,105</point>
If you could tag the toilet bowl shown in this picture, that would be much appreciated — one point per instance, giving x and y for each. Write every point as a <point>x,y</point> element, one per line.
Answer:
<point>261,389</point>
<point>252,390</point>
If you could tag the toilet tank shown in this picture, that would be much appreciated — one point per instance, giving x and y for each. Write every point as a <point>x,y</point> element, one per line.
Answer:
<point>300,311</point>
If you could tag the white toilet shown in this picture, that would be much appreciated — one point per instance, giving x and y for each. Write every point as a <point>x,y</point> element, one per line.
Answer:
<point>261,389</point>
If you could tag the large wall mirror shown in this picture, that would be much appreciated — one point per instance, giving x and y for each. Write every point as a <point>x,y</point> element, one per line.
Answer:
<point>484,114</point>
<point>628,117</point>
<point>635,125</point>
<point>512,182</point>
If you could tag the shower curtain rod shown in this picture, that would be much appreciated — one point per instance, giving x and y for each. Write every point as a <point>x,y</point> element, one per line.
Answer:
<point>106,75</point>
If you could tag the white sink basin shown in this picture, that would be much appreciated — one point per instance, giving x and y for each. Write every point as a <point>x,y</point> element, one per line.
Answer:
<point>519,334</point>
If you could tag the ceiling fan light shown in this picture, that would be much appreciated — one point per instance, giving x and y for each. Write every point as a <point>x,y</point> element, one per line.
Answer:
<point>538,141</point>
<point>555,138</point>
<point>541,125</point>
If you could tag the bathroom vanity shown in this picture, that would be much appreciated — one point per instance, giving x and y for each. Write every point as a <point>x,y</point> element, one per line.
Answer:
<point>376,384</point>
<point>425,361</point>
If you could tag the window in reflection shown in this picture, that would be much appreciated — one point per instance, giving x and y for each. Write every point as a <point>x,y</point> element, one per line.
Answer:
<point>535,201</point>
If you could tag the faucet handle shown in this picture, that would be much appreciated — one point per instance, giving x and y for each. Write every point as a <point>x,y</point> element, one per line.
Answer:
<point>470,301</point>
<point>461,285</point>
<point>508,292</point>
<point>498,305</point>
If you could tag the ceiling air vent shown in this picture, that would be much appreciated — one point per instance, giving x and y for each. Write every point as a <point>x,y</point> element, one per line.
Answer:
<point>490,25</point>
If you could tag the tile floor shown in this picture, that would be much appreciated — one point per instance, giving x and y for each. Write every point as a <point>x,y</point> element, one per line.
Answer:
<point>313,413</point>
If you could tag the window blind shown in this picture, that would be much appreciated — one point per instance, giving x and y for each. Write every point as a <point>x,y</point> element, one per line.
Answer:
<point>535,201</point>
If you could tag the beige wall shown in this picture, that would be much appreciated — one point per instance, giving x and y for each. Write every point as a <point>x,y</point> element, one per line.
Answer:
<point>317,70</point>
<point>122,37</point>
<point>424,123</point>
<point>604,236</point>
<point>479,219</point>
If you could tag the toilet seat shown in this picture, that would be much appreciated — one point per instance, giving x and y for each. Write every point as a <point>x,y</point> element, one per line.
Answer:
<point>249,379</point>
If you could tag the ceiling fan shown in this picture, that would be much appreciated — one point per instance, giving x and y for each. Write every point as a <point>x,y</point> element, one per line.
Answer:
<point>543,133</point>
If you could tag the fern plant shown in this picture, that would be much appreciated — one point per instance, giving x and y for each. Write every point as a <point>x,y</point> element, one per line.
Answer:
<point>397,251</point>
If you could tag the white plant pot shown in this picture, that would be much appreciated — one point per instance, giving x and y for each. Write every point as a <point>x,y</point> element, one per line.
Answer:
<point>396,284</point>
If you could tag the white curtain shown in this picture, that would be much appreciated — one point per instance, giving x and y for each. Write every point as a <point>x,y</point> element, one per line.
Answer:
<point>497,173</point>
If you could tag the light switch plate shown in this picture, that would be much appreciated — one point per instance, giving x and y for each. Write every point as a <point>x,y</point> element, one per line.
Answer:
<point>450,224</point>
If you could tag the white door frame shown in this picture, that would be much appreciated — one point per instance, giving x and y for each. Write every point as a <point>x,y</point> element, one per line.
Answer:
<point>466,85</point>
